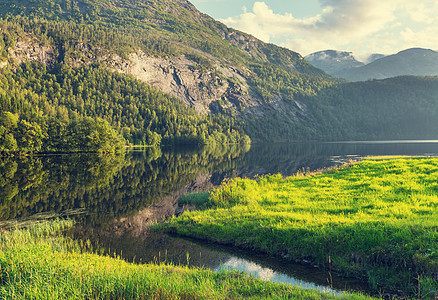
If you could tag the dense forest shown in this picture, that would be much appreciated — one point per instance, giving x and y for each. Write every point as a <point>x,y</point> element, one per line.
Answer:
<point>71,102</point>
<point>80,32</point>
<point>160,28</point>
<point>92,109</point>
<point>403,107</point>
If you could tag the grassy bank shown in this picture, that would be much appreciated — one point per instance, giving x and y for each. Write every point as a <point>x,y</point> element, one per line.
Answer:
<point>39,263</point>
<point>373,219</point>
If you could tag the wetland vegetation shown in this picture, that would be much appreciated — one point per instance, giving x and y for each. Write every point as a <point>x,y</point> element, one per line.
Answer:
<point>373,219</point>
<point>65,88</point>
<point>39,263</point>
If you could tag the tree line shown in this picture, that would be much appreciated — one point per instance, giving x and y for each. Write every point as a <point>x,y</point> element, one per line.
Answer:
<point>90,108</point>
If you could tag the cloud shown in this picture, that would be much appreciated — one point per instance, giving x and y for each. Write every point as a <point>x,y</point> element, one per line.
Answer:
<point>425,12</point>
<point>356,24</point>
<point>427,37</point>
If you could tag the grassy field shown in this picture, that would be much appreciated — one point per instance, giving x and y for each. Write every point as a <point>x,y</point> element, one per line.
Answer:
<point>40,263</point>
<point>377,219</point>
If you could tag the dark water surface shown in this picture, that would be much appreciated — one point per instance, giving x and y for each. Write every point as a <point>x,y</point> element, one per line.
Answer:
<point>116,198</point>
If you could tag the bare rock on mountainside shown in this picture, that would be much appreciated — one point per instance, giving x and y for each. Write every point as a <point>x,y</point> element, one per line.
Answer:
<point>183,79</point>
<point>28,50</point>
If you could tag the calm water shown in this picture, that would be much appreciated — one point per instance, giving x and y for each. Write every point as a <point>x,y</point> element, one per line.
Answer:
<point>115,198</point>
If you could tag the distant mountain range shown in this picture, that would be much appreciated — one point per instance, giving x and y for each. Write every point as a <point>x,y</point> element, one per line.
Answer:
<point>415,61</point>
<point>333,61</point>
<point>374,57</point>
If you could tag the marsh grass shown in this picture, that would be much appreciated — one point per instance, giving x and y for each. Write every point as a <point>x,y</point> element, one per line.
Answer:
<point>197,199</point>
<point>39,262</point>
<point>375,219</point>
<point>388,157</point>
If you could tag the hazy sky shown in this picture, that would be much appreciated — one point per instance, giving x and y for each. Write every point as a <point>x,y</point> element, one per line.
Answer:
<point>359,26</point>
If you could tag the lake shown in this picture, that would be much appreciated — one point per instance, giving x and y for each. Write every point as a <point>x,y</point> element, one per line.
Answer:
<point>116,198</point>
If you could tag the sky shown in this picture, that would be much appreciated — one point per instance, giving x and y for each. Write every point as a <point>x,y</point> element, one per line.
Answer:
<point>359,26</point>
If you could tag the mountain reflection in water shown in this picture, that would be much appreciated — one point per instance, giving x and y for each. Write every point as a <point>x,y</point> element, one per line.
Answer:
<point>116,198</point>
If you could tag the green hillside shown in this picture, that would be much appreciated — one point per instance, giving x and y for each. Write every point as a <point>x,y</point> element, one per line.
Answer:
<point>73,96</point>
<point>397,108</point>
<point>72,109</point>
<point>139,113</point>
<point>404,107</point>
<point>163,28</point>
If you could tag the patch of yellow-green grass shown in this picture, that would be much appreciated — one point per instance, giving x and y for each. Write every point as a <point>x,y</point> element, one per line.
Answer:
<point>388,157</point>
<point>39,263</point>
<point>374,219</point>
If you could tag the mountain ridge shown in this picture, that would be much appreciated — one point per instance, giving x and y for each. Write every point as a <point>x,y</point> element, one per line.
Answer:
<point>165,39</point>
<point>412,61</point>
<point>333,61</point>
<point>273,92</point>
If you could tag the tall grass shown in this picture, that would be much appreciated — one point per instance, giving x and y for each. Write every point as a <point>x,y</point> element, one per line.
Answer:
<point>197,199</point>
<point>39,263</point>
<point>374,219</point>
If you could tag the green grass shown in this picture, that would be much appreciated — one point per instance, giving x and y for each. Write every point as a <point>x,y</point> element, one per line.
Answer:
<point>197,199</point>
<point>387,157</point>
<point>374,219</point>
<point>40,263</point>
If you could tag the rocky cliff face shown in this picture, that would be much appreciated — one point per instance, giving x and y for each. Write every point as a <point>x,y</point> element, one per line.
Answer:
<point>30,50</point>
<point>205,90</point>
<point>173,47</point>
<point>219,89</point>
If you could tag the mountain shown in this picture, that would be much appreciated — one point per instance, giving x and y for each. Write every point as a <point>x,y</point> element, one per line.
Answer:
<point>415,61</point>
<point>374,57</point>
<point>165,43</point>
<point>332,61</point>
<point>168,45</point>
<point>398,108</point>
<point>87,74</point>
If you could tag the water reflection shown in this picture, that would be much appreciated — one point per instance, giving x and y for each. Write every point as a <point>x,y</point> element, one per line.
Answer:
<point>105,186</point>
<point>268,274</point>
<point>115,186</point>
<point>108,187</point>
<point>161,248</point>
<point>115,198</point>
<point>288,158</point>
<point>31,185</point>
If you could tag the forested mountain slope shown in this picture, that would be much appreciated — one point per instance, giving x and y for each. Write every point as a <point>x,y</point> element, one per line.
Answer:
<point>166,43</point>
<point>71,109</point>
<point>403,107</point>
<point>228,80</point>
<point>396,108</point>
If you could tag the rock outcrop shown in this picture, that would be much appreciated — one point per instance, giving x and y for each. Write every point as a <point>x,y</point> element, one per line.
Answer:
<point>204,90</point>
<point>219,89</point>
<point>31,50</point>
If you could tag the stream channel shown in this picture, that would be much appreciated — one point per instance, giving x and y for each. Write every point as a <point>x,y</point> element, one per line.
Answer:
<point>115,199</point>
